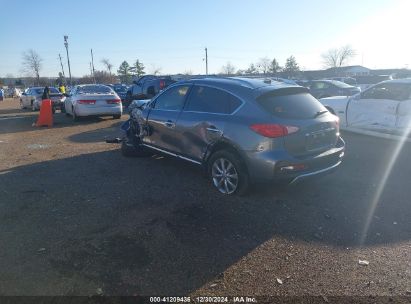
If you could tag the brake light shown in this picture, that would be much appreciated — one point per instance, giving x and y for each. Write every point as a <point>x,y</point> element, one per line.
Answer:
<point>273,130</point>
<point>162,84</point>
<point>87,101</point>
<point>113,101</point>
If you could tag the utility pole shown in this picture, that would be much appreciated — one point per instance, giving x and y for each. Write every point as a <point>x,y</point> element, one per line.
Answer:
<point>206,60</point>
<point>62,69</point>
<point>68,59</point>
<point>91,72</point>
<point>92,64</point>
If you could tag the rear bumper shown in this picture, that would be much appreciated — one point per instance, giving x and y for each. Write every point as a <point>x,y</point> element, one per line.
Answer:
<point>84,110</point>
<point>273,166</point>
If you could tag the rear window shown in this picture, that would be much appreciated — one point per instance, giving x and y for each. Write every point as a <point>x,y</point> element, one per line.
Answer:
<point>294,106</point>
<point>94,89</point>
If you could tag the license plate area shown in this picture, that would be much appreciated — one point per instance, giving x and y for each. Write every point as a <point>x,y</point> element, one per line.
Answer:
<point>320,139</point>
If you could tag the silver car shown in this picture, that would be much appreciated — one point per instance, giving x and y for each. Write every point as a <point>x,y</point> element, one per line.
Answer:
<point>32,97</point>
<point>242,130</point>
<point>93,100</point>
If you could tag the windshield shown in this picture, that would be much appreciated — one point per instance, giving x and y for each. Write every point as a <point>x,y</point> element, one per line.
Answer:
<point>94,89</point>
<point>341,84</point>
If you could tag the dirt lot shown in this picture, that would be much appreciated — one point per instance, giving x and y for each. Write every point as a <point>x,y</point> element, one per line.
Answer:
<point>77,218</point>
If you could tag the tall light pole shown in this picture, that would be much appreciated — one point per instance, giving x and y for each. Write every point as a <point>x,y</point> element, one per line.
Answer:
<point>68,59</point>
<point>206,60</point>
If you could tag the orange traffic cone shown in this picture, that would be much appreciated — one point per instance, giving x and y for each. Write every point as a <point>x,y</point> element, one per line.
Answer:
<point>46,114</point>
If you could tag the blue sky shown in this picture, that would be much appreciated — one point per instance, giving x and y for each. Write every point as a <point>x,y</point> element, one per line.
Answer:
<point>171,35</point>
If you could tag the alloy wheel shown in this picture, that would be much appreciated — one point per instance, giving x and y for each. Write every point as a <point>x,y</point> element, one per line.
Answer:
<point>225,176</point>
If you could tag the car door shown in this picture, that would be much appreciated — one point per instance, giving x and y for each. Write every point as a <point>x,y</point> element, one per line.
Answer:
<point>403,122</point>
<point>162,118</point>
<point>375,108</point>
<point>202,120</point>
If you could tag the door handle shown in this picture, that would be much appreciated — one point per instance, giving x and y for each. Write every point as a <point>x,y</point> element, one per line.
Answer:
<point>169,124</point>
<point>214,130</point>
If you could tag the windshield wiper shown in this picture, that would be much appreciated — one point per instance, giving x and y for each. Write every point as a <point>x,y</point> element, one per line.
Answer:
<point>319,113</point>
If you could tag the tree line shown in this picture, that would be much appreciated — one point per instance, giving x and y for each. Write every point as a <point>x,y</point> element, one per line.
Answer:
<point>32,65</point>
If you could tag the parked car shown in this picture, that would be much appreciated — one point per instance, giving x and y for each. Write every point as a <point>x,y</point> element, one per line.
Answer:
<point>32,97</point>
<point>347,80</point>
<point>93,100</point>
<point>383,107</point>
<point>242,130</point>
<point>121,90</point>
<point>325,88</point>
<point>147,87</point>
<point>366,81</point>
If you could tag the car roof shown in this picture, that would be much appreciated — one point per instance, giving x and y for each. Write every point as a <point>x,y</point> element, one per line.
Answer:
<point>248,83</point>
<point>404,80</point>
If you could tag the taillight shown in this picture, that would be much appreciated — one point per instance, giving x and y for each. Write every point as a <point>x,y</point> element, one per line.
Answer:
<point>113,101</point>
<point>162,84</point>
<point>273,130</point>
<point>86,101</point>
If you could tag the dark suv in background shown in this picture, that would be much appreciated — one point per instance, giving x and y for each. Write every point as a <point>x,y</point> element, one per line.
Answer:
<point>242,130</point>
<point>147,87</point>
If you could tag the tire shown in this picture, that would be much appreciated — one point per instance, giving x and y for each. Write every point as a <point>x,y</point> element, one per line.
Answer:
<point>74,116</point>
<point>128,149</point>
<point>228,175</point>
<point>117,116</point>
<point>131,147</point>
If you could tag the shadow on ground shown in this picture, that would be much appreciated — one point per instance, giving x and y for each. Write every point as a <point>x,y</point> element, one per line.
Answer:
<point>24,122</point>
<point>155,226</point>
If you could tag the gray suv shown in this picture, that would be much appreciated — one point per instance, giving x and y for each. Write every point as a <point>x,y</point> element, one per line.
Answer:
<point>241,130</point>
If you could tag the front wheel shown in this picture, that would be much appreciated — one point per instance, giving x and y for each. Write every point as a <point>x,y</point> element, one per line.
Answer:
<point>227,173</point>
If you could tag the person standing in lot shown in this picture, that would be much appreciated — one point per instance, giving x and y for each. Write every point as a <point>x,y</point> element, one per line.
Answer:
<point>46,93</point>
<point>1,94</point>
<point>62,89</point>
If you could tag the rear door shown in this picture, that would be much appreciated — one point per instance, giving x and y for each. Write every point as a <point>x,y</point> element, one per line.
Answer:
<point>376,108</point>
<point>162,118</point>
<point>202,121</point>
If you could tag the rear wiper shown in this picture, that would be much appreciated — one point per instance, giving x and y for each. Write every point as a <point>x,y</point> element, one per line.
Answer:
<point>319,113</point>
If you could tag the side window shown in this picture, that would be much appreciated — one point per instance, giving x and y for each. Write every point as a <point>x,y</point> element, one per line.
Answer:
<point>391,91</point>
<point>172,99</point>
<point>210,100</point>
<point>318,86</point>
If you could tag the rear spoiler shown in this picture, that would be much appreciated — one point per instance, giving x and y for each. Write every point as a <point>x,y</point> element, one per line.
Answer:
<point>287,90</point>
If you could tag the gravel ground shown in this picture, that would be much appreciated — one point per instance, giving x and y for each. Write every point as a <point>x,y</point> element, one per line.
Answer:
<point>77,218</point>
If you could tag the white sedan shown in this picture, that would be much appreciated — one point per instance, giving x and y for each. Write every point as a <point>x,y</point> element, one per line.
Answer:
<point>384,107</point>
<point>93,100</point>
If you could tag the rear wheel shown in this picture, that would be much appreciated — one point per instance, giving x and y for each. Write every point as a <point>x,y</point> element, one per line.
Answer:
<point>74,115</point>
<point>227,173</point>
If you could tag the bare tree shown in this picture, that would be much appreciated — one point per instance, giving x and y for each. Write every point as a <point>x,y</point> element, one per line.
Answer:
<point>107,64</point>
<point>32,63</point>
<point>335,58</point>
<point>228,69</point>
<point>264,65</point>
<point>155,70</point>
